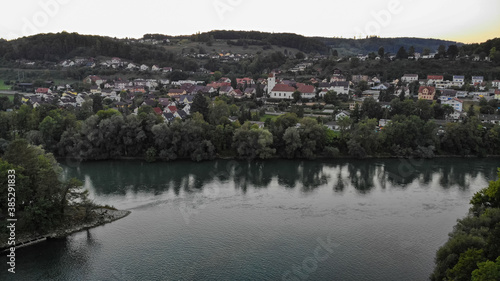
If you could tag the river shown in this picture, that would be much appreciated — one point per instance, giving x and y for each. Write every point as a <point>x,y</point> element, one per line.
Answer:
<point>273,220</point>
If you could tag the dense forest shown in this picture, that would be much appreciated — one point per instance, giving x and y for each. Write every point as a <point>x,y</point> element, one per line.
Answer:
<point>473,249</point>
<point>372,44</point>
<point>55,47</point>
<point>60,46</point>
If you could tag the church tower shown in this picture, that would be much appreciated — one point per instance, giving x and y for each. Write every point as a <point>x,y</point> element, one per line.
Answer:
<point>271,82</point>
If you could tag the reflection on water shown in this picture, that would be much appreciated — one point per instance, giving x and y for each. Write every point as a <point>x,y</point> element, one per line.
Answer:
<point>118,178</point>
<point>238,220</point>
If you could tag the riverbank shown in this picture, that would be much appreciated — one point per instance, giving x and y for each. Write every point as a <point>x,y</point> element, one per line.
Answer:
<point>220,157</point>
<point>101,216</point>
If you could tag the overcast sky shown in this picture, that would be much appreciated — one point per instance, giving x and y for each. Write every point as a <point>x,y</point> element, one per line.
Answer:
<point>457,20</point>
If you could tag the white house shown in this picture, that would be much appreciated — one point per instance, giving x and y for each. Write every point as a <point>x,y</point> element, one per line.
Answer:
<point>144,67</point>
<point>408,78</point>
<point>433,79</point>
<point>477,80</point>
<point>282,91</point>
<point>342,114</point>
<point>455,103</point>
<point>307,91</point>
<point>458,80</point>
<point>495,84</point>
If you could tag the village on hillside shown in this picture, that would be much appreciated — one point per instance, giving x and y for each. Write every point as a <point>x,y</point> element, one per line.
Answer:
<point>173,99</point>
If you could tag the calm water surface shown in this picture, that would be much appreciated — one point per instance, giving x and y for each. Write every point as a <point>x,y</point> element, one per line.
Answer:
<point>275,220</point>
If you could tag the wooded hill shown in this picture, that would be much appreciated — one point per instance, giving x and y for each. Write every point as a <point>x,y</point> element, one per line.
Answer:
<point>53,47</point>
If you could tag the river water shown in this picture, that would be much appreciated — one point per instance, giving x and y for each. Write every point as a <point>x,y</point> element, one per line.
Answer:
<point>273,220</point>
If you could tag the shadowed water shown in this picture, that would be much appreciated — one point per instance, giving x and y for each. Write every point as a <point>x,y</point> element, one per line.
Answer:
<point>273,220</point>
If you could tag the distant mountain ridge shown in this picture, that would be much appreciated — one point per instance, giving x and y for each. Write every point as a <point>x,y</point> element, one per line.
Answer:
<point>348,46</point>
<point>59,46</point>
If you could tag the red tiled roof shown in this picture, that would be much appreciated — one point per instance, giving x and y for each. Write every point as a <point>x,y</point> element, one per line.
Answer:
<point>306,89</point>
<point>432,90</point>
<point>172,109</point>
<point>42,90</point>
<point>283,88</point>
<point>435,77</point>
<point>158,110</point>
<point>176,91</point>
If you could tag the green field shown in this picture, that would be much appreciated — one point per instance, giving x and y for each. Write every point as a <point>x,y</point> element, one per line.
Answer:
<point>273,117</point>
<point>3,86</point>
<point>11,97</point>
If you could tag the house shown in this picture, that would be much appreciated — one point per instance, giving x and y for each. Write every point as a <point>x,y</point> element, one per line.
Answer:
<point>448,93</point>
<point>116,60</point>
<point>249,92</point>
<point>359,78</point>
<point>408,78</point>
<point>261,125</point>
<point>426,93</point>
<point>497,94</point>
<point>375,94</point>
<point>244,81</point>
<point>342,114</point>
<point>158,111</point>
<point>176,92</point>
<point>151,103</point>
<point>187,99</point>
<point>459,79</point>
<point>121,84</point>
<point>382,87</point>
<point>455,103</point>
<point>95,89</point>
<point>433,79</point>
<point>43,91</point>
<point>495,84</point>
<point>167,69</point>
<point>171,109</point>
<point>155,68</point>
<point>282,91</point>
<point>306,91</point>
<point>187,109</point>
<point>338,87</point>
<point>383,122</point>
<point>237,94</point>
<point>226,90</point>
<point>490,118</point>
<point>476,80</point>
<point>169,117</point>
<point>93,79</point>
<point>181,114</point>
<point>144,67</point>
<point>164,102</point>
<point>333,125</point>
<point>338,78</point>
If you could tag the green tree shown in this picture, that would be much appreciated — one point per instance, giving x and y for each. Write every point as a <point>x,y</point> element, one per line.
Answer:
<point>381,52</point>
<point>402,54</point>
<point>487,271</point>
<point>218,112</point>
<point>253,143</point>
<point>452,51</point>
<point>411,51</point>
<point>297,96</point>
<point>466,264</point>
<point>200,104</point>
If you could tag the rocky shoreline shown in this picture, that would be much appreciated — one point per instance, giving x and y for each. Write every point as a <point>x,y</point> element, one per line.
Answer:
<point>101,216</point>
